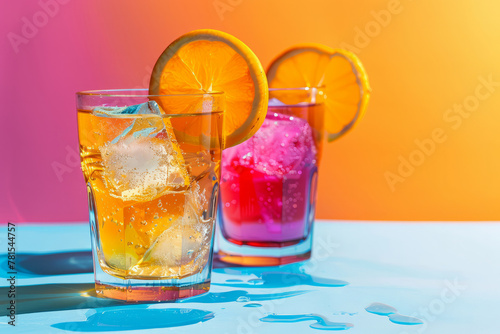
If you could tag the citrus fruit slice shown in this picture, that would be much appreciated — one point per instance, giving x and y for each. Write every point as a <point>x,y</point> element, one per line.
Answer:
<point>338,71</point>
<point>207,61</point>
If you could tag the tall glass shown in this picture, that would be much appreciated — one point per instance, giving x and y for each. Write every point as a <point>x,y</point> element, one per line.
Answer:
<point>152,168</point>
<point>268,185</point>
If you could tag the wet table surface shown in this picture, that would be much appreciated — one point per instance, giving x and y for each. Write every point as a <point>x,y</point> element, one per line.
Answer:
<point>364,277</point>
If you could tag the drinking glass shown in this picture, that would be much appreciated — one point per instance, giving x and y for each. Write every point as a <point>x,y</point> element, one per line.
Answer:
<point>152,169</point>
<point>268,185</point>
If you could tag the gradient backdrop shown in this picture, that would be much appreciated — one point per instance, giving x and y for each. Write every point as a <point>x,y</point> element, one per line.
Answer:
<point>427,149</point>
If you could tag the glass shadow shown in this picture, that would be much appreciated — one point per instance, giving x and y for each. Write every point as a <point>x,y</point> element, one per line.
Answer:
<point>274,277</point>
<point>65,263</point>
<point>135,317</point>
<point>55,297</point>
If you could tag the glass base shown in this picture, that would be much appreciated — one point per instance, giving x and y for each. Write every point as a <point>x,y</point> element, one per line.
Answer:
<point>261,261</point>
<point>249,255</point>
<point>151,288</point>
<point>152,291</point>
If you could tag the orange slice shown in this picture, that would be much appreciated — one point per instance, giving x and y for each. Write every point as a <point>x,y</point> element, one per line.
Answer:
<point>207,61</point>
<point>341,73</point>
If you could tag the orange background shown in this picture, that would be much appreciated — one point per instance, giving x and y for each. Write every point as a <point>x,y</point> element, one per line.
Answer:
<point>422,59</point>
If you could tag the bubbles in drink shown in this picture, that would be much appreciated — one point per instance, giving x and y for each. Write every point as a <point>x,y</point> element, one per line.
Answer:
<point>266,181</point>
<point>150,190</point>
<point>283,145</point>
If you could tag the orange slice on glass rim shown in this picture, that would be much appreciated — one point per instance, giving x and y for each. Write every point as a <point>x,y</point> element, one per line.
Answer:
<point>209,61</point>
<point>338,71</point>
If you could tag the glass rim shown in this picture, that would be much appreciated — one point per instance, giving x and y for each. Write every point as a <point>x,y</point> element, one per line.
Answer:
<point>295,88</point>
<point>116,93</point>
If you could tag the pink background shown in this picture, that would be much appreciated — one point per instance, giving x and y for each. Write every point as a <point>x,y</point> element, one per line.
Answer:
<point>38,119</point>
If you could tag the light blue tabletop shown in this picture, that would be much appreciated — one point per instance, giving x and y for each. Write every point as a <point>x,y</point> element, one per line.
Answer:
<point>416,278</point>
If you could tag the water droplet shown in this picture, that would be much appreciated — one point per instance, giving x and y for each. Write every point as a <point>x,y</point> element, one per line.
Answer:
<point>380,309</point>
<point>256,281</point>
<point>252,305</point>
<point>320,321</point>
<point>404,320</point>
<point>243,299</point>
<point>345,313</point>
<point>144,222</point>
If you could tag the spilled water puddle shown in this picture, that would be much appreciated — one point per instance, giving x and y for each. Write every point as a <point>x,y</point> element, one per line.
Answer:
<point>320,321</point>
<point>392,314</point>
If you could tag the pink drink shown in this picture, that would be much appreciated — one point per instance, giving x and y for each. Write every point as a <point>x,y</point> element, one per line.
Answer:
<point>268,183</point>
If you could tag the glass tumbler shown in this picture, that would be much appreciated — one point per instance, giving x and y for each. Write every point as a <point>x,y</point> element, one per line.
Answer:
<point>152,169</point>
<point>268,185</point>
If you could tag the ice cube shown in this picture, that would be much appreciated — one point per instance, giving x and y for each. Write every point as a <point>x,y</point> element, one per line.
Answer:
<point>144,161</point>
<point>175,247</point>
<point>150,107</point>
<point>284,144</point>
<point>183,248</point>
<point>149,123</point>
<point>207,104</point>
<point>274,102</point>
<point>123,261</point>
